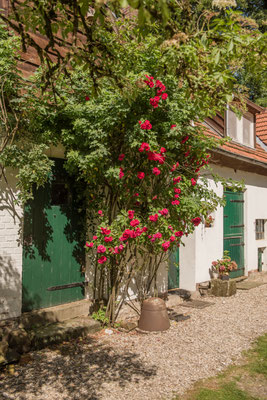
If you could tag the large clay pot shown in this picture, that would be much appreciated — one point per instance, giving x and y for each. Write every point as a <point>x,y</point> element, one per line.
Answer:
<point>154,315</point>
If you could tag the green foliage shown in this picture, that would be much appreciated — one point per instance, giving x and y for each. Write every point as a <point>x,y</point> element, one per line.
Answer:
<point>18,149</point>
<point>9,45</point>
<point>206,46</point>
<point>100,316</point>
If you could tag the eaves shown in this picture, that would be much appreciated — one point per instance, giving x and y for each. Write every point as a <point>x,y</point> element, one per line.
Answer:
<point>238,162</point>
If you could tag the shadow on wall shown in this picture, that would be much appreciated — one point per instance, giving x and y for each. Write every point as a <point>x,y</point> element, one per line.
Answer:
<point>10,289</point>
<point>38,231</point>
<point>9,206</point>
<point>79,370</point>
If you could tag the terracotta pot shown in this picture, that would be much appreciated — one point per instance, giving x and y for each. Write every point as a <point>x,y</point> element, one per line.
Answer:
<point>154,315</point>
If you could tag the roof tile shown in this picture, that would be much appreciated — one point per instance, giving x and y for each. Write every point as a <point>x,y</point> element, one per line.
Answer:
<point>261,126</point>
<point>257,153</point>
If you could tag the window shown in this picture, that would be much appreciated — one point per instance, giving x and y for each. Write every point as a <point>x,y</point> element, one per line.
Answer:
<point>241,130</point>
<point>248,129</point>
<point>260,229</point>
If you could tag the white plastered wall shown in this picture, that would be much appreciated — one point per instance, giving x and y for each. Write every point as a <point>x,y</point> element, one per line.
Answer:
<point>206,244</point>
<point>161,283</point>
<point>10,250</point>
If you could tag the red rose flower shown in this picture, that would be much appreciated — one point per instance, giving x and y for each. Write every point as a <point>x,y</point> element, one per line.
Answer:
<point>121,174</point>
<point>176,180</point>
<point>108,239</point>
<point>166,245</point>
<point>164,211</point>
<point>102,260</point>
<point>156,171</point>
<point>146,125</point>
<point>134,222</point>
<point>130,214</point>
<point>196,221</point>
<point>179,233</point>
<point>141,175</point>
<point>101,249</point>
<point>185,139</point>
<point>154,217</point>
<point>144,146</point>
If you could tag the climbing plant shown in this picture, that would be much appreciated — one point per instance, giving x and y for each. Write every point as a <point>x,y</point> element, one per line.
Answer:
<point>130,121</point>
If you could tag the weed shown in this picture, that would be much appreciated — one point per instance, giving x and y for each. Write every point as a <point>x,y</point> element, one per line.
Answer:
<point>100,316</point>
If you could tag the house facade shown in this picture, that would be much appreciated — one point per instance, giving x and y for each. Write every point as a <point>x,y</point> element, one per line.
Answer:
<point>39,246</point>
<point>239,227</point>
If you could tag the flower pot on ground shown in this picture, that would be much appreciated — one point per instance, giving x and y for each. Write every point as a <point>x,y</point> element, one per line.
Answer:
<point>209,221</point>
<point>224,266</point>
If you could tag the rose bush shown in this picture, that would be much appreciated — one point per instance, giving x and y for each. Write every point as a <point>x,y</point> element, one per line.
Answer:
<point>153,194</point>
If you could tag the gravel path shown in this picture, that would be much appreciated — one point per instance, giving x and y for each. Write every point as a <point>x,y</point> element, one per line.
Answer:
<point>143,366</point>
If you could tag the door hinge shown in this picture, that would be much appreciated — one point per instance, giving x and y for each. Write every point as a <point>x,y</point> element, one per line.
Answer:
<point>237,201</point>
<point>67,286</point>
<point>233,237</point>
<point>237,226</point>
<point>237,244</point>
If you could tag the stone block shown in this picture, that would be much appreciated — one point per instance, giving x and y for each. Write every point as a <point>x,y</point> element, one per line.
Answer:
<point>20,341</point>
<point>12,356</point>
<point>220,288</point>
<point>3,347</point>
<point>128,325</point>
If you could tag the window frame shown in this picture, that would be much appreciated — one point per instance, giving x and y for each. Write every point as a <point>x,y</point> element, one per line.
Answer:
<point>260,228</point>
<point>227,128</point>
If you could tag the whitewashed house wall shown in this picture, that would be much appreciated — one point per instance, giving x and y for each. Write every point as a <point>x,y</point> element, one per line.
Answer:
<point>206,244</point>
<point>10,250</point>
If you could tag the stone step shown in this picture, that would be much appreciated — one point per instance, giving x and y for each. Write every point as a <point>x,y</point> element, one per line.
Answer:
<point>63,331</point>
<point>59,313</point>
<point>22,341</point>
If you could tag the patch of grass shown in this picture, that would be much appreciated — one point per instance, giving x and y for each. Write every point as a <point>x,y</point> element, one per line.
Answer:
<point>228,391</point>
<point>258,356</point>
<point>246,381</point>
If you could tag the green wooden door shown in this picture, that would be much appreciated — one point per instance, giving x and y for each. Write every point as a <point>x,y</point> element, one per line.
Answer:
<point>173,272</point>
<point>260,252</point>
<point>234,229</point>
<point>53,252</point>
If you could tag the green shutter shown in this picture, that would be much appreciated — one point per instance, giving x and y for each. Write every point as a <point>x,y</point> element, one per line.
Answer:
<point>173,272</point>
<point>234,229</point>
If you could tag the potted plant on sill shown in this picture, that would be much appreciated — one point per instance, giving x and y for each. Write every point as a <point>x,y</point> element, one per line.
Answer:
<point>222,268</point>
<point>209,220</point>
